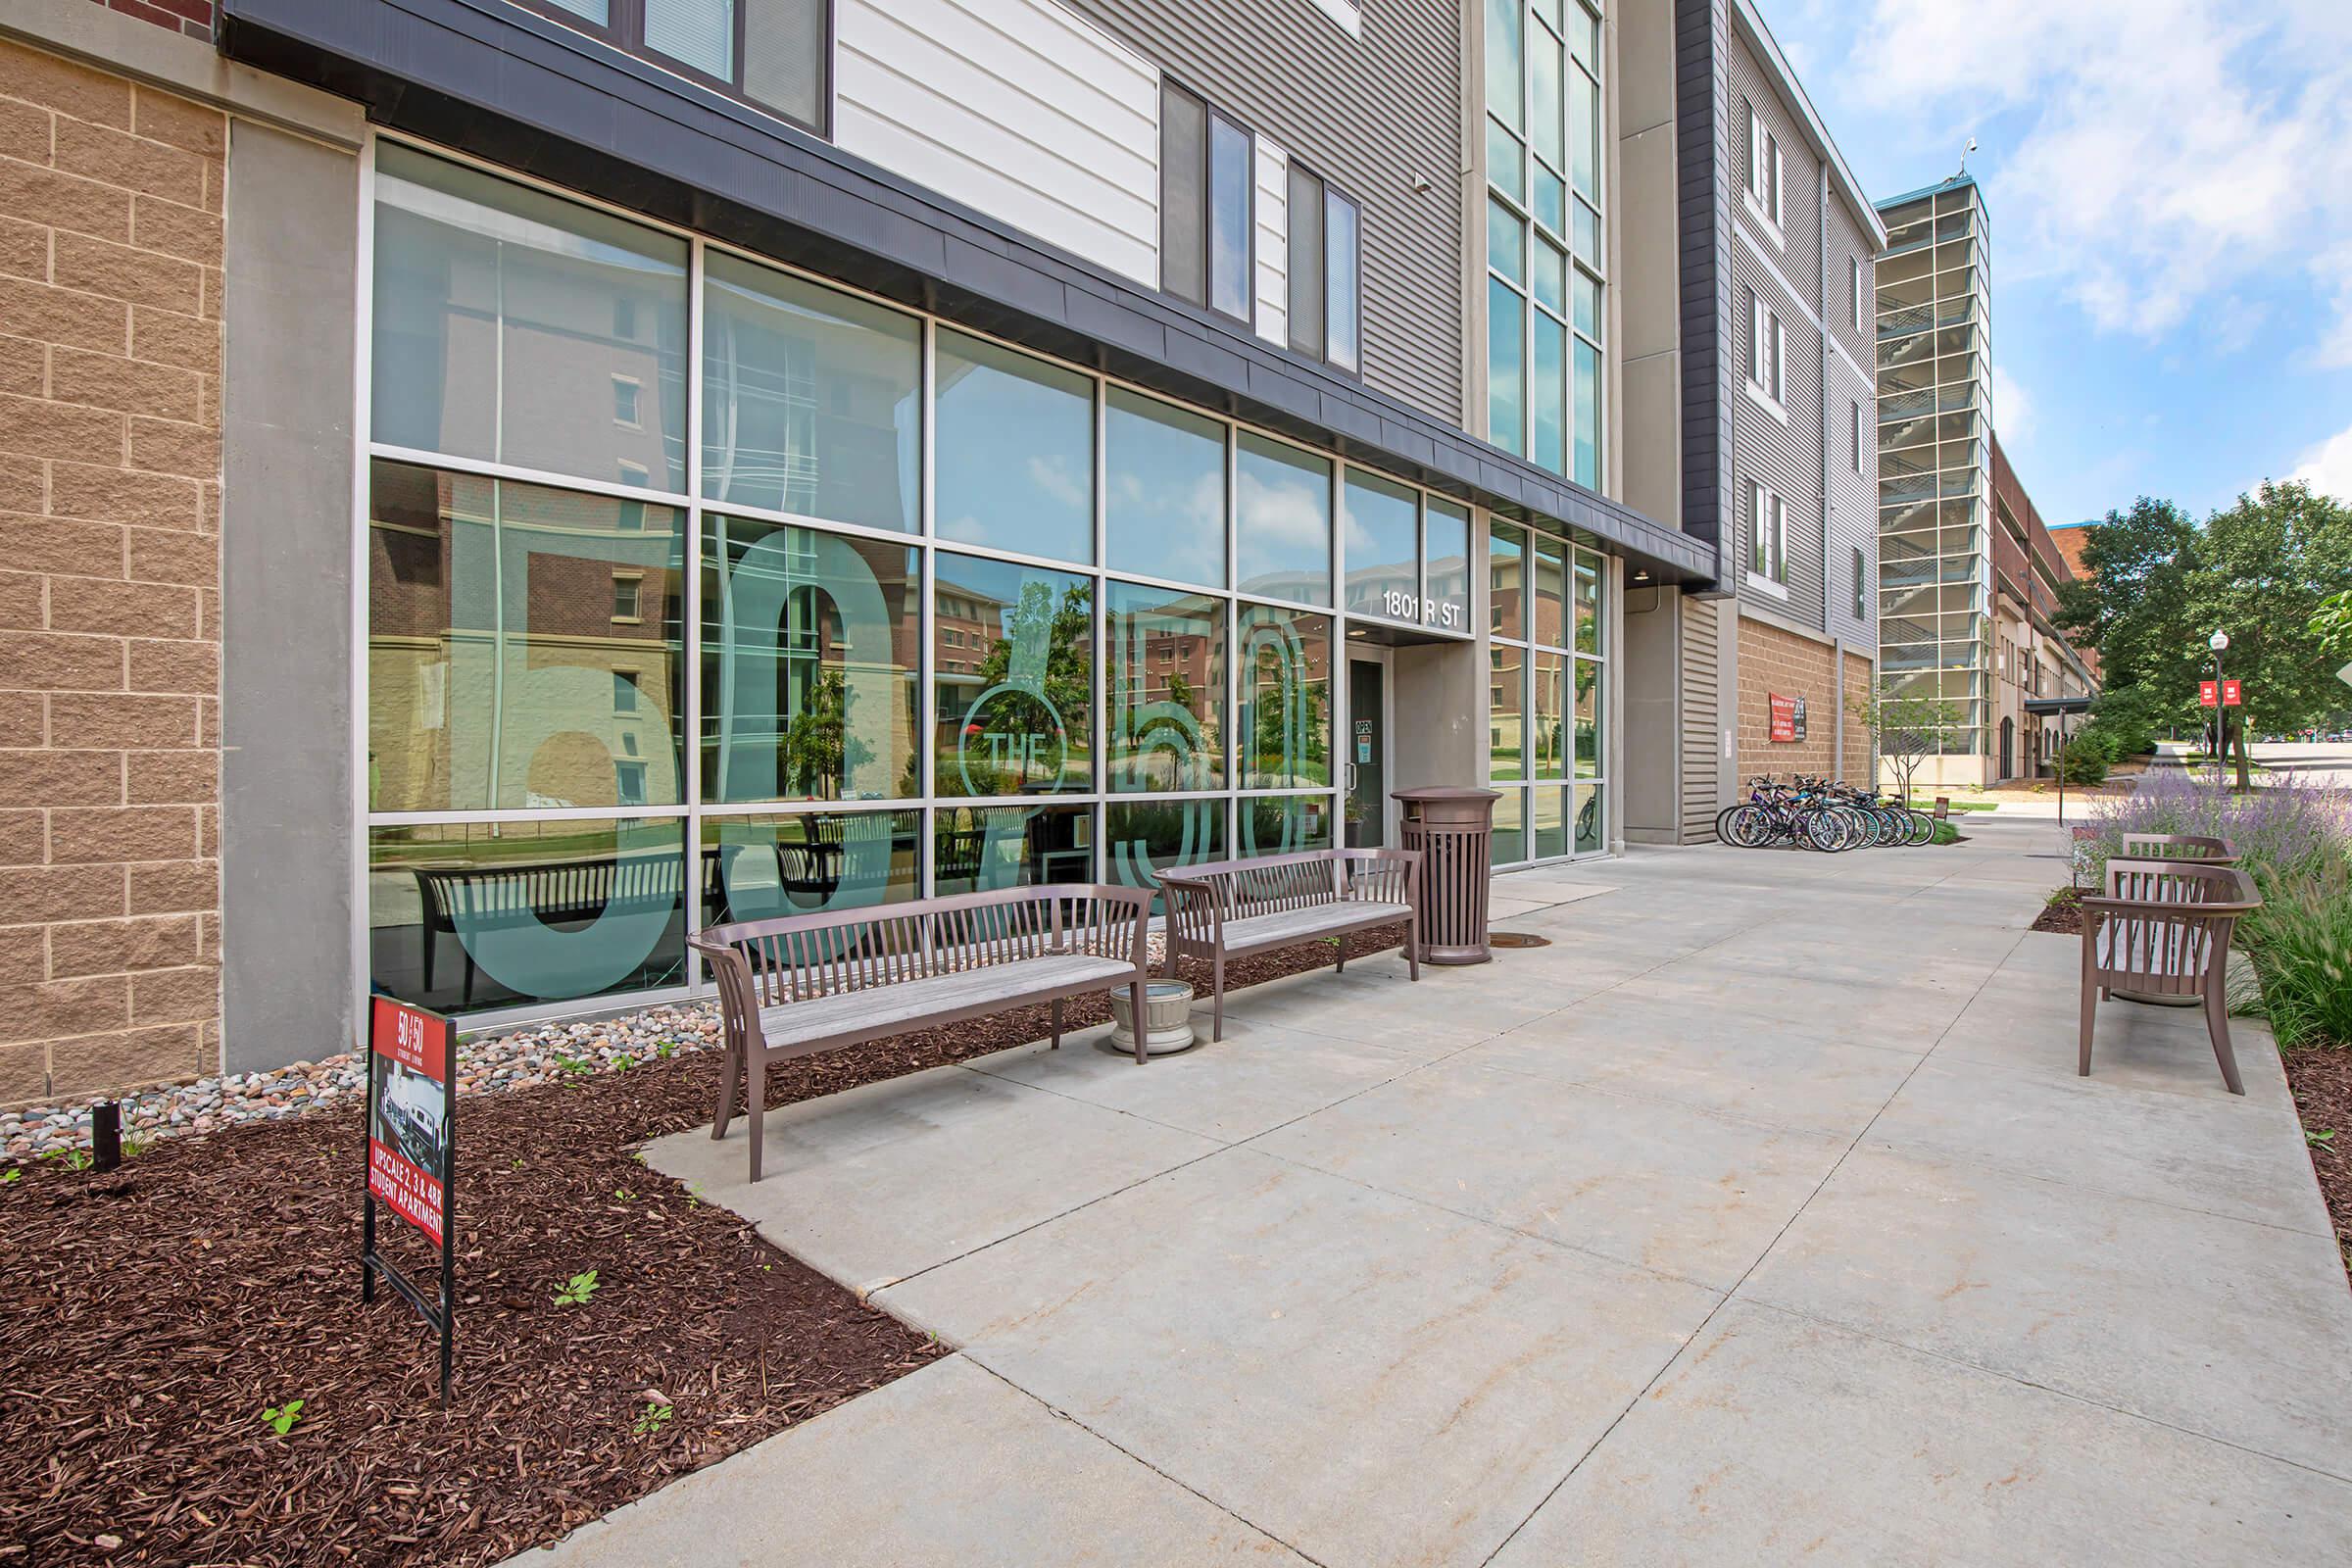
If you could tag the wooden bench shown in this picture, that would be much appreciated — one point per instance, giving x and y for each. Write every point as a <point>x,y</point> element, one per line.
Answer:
<point>804,983</point>
<point>1225,909</point>
<point>2195,847</point>
<point>2161,933</point>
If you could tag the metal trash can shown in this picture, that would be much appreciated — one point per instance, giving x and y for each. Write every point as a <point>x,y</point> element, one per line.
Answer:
<point>1452,827</point>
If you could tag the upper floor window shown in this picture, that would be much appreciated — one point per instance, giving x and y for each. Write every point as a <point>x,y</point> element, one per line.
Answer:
<point>1853,289</point>
<point>1855,447</point>
<point>1764,172</point>
<point>1767,350</point>
<point>1204,205</point>
<point>1861,584</point>
<point>1768,534</point>
<point>772,53</point>
<point>1326,272</point>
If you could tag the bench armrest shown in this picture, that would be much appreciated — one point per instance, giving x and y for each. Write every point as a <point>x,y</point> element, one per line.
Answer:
<point>1195,910</point>
<point>738,994</point>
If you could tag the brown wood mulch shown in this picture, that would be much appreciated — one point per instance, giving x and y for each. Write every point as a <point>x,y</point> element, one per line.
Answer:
<point>148,1315</point>
<point>2322,1083</point>
<point>2061,914</point>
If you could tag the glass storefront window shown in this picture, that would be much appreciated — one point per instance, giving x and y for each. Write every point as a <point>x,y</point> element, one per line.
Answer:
<point>1551,590</point>
<point>977,849</point>
<point>1507,727</point>
<point>1285,824</point>
<point>524,646</point>
<point>1588,415</point>
<point>1445,553</point>
<point>513,326</point>
<point>808,657</point>
<point>1015,455</point>
<point>486,914</point>
<point>1507,367</point>
<point>1283,521</point>
<point>812,399</point>
<point>1589,825</point>
<point>1144,838</point>
<point>1509,844</point>
<point>1549,740</point>
<point>1587,718</point>
<point>1383,550</point>
<point>1165,490</point>
<point>1548,835</point>
<point>1286,698</point>
<point>1167,689</point>
<point>1012,665</point>
<point>1506,580</point>
<point>1588,603</point>
<point>809,863</point>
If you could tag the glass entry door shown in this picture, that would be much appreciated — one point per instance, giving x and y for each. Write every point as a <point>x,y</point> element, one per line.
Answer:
<point>1367,752</point>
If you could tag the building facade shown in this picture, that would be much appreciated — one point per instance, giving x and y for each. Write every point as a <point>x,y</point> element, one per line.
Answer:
<point>668,463</point>
<point>2031,657</point>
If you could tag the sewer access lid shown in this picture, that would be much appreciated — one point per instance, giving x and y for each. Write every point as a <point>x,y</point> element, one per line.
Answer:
<point>1516,938</point>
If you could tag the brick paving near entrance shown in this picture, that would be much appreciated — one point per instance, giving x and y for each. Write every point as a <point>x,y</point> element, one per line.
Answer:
<point>1760,1215</point>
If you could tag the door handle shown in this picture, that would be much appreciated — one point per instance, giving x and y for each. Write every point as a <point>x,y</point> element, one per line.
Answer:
<point>1350,776</point>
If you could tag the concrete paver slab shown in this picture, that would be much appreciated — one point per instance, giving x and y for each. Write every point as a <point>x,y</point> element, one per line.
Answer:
<point>2227,1327</point>
<point>947,1467</point>
<point>1642,1181</point>
<point>1777,1438</point>
<point>1367,1377</point>
<point>871,1185</point>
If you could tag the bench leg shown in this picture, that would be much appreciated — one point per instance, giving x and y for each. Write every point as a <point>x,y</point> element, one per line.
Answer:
<point>1143,1021</point>
<point>755,1067</point>
<point>1057,1023</point>
<point>2217,1024</point>
<point>1342,966</point>
<point>1216,1013</point>
<point>729,1062</point>
<point>2090,1003</point>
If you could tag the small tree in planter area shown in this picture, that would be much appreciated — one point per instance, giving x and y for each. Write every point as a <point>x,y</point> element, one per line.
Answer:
<point>1906,729</point>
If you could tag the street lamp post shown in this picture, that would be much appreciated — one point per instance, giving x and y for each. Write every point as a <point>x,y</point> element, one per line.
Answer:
<point>2219,642</point>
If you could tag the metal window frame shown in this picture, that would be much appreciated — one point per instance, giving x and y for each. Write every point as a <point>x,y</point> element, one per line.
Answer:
<point>624,30</point>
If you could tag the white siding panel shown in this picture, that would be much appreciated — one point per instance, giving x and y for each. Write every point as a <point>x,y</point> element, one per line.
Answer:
<point>1273,243</point>
<point>1019,108</point>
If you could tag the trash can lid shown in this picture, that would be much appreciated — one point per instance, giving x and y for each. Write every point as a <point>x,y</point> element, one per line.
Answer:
<point>1447,792</point>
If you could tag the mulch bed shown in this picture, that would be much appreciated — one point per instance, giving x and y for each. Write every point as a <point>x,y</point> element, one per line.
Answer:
<point>2322,1083</point>
<point>2061,914</point>
<point>148,1315</point>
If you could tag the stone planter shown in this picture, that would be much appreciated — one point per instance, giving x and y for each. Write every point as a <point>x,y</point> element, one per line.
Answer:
<point>1167,1019</point>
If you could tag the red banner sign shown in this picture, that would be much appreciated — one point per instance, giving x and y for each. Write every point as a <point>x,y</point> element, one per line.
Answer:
<point>1783,717</point>
<point>2208,696</point>
<point>2230,694</point>
<point>407,1112</point>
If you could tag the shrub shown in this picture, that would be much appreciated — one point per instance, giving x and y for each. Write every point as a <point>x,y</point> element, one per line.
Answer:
<point>2301,943</point>
<point>2284,827</point>
<point>2132,714</point>
<point>2084,760</point>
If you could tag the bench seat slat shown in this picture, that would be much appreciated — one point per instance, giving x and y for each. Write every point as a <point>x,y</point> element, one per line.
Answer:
<point>1285,926</point>
<point>1000,984</point>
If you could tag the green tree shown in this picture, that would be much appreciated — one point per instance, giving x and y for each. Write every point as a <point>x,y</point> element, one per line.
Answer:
<point>817,750</point>
<point>1906,730</point>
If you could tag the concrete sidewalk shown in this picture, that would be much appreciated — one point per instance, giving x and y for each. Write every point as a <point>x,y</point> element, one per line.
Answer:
<point>1761,1215</point>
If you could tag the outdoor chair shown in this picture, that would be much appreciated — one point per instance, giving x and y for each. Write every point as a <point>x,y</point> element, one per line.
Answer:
<point>2161,933</point>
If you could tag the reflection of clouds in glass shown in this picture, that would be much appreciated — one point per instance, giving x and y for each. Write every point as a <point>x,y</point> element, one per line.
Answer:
<point>1052,475</point>
<point>964,529</point>
<point>1288,514</point>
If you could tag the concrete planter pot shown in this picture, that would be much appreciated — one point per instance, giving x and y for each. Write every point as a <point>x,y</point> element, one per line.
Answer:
<point>1167,1019</point>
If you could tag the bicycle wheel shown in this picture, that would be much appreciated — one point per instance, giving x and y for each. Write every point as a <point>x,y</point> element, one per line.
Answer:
<point>1923,828</point>
<point>1745,827</point>
<point>1723,824</point>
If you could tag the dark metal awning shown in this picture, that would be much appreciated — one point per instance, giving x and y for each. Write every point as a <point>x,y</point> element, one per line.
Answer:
<point>2058,706</point>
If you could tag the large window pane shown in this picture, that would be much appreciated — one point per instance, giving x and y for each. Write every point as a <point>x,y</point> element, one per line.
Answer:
<point>1167,490</point>
<point>784,57</point>
<point>1547,395</point>
<point>810,644</point>
<point>1305,261</point>
<point>1588,603</point>
<point>1588,720</point>
<point>1445,564</point>
<point>1547,759</point>
<point>811,400</point>
<point>494,914</point>
<point>1506,377</point>
<point>1016,458</point>
<point>1506,705</point>
<point>523,646</point>
<point>516,327</point>
<point>1506,580</point>
<point>1167,689</point>
<point>694,32</point>
<point>759,867</point>
<point>1228,181</point>
<point>977,849</point>
<point>1340,267</point>
<point>1548,836</point>
<point>1012,661</point>
<point>1283,521</point>
<point>1506,161</point>
<point>1144,838</point>
<point>1544,75</point>
<point>1286,698</point>
<point>1285,824</point>
<point>1591,824</point>
<point>1584,136</point>
<point>1509,847</point>
<point>1551,590</point>
<point>1184,196</point>
<point>1588,415</point>
<point>1383,550</point>
<point>1506,241</point>
<point>1504,21</point>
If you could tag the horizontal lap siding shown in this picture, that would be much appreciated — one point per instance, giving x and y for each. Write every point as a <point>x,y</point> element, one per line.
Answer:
<point>1372,115</point>
<point>1016,107</point>
<point>1701,631</point>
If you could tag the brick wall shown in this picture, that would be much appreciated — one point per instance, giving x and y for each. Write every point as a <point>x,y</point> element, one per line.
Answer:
<point>1860,676</point>
<point>191,17</point>
<point>110,615</point>
<point>1773,660</point>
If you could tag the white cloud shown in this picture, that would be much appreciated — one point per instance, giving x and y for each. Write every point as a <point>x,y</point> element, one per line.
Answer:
<point>2328,468</point>
<point>2012,410</point>
<point>2173,149</point>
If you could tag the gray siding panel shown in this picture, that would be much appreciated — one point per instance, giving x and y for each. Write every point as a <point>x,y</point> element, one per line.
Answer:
<point>1702,621</point>
<point>1702,30</point>
<point>1371,115</point>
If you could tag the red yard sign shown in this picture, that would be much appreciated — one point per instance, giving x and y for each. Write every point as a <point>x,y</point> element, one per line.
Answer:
<point>407,1112</point>
<point>2230,694</point>
<point>1783,717</point>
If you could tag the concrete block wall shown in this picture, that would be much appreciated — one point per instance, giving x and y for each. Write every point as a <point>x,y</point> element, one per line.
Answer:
<point>1776,660</point>
<point>110,201</point>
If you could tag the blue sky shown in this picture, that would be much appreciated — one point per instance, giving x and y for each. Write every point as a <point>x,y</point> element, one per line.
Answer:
<point>2169,184</point>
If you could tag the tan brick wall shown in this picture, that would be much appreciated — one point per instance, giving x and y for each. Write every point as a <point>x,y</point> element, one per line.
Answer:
<point>1772,660</point>
<point>1860,676</point>
<point>110,199</point>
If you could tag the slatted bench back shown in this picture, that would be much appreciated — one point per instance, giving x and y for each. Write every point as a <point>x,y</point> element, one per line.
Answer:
<point>2179,847</point>
<point>2175,927</point>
